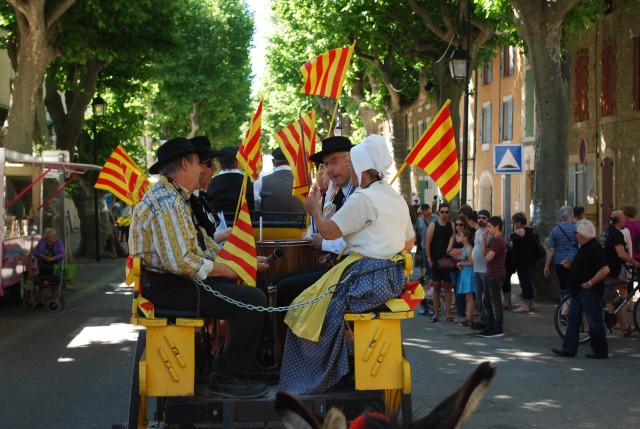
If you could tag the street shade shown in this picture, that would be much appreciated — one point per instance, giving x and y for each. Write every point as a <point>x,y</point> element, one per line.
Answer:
<point>458,64</point>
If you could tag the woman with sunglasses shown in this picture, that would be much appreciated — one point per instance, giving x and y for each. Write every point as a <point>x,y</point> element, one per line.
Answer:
<point>455,248</point>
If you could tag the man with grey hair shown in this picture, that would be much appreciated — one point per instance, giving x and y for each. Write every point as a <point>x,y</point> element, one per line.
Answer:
<point>587,273</point>
<point>561,245</point>
<point>173,249</point>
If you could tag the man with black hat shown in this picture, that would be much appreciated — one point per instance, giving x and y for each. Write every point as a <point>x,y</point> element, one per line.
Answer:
<point>334,156</point>
<point>224,191</point>
<point>273,192</point>
<point>172,249</point>
<point>203,214</point>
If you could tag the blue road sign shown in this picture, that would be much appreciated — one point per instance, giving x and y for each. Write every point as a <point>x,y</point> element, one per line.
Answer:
<point>507,159</point>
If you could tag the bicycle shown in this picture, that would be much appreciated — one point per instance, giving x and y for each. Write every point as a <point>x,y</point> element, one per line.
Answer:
<point>611,296</point>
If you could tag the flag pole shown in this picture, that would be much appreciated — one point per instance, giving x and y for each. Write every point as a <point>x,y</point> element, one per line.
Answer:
<point>304,157</point>
<point>243,190</point>
<point>404,164</point>
<point>335,110</point>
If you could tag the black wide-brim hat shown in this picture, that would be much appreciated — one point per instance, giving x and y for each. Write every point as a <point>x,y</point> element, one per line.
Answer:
<point>332,145</point>
<point>172,149</point>
<point>203,143</point>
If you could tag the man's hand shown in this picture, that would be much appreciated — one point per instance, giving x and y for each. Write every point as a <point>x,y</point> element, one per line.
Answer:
<point>262,265</point>
<point>316,241</point>
<point>223,270</point>
<point>222,235</point>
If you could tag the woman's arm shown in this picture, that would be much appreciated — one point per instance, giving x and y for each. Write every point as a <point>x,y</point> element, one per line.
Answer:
<point>59,248</point>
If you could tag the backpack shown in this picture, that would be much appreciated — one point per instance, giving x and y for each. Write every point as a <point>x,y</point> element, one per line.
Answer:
<point>539,251</point>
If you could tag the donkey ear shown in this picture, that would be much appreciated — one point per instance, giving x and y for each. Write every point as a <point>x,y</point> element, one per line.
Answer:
<point>454,410</point>
<point>294,414</point>
<point>335,419</point>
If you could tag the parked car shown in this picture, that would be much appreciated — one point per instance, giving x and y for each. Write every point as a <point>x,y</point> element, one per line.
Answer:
<point>16,267</point>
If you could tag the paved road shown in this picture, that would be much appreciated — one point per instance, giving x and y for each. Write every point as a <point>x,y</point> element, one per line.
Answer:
<point>72,368</point>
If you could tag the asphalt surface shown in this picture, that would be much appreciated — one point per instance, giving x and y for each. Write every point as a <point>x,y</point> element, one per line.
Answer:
<point>72,368</point>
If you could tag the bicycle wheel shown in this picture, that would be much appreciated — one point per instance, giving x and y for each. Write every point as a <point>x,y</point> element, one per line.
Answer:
<point>561,319</point>
<point>636,315</point>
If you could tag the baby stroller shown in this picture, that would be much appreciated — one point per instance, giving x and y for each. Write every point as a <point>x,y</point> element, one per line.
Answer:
<point>53,279</point>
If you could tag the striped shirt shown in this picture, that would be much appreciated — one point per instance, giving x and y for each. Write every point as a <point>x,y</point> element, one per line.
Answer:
<point>563,241</point>
<point>163,234</point>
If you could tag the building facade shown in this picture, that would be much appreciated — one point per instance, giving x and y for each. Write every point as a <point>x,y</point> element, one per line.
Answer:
<point>603,146</point>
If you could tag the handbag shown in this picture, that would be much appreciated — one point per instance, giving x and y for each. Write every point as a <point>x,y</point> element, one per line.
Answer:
<point>447,263</point>
<point>69,271</point>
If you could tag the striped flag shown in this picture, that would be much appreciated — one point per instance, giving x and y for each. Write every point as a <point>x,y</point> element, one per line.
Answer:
<point>249,153</point>
<point>290,141</point>
<point>436,154</point>
<point>122,177</point>
<point>239,251</point>
<point>324,75</point>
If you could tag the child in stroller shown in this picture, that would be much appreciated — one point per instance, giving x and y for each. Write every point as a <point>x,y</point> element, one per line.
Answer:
<point>48,252</point>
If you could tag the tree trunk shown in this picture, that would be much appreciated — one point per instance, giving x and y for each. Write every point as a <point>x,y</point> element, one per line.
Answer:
<point>34,55</point>
<point>35,51</point>
<point>398,140</point>
<point>541,30</point>
<point>83,199</point>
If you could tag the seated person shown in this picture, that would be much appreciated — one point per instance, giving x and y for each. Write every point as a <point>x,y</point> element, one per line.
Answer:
<point>273,193</point>
<point>224,190</point>
<point>202,212</point>
<point>376,225</point>
<point>172,249</point>
<point>48,252</point>
<point>336,179</point>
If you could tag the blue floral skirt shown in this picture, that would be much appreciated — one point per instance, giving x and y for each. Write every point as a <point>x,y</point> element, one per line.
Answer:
<point>311,367</point>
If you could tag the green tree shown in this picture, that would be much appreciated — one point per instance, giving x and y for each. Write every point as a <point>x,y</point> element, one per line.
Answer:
<point>205,88</point>
<point>398,47</point>
<point>32,29</point>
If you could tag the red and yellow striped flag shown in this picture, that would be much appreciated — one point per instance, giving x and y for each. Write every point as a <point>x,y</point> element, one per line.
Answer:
<point>122,177</point>
<point>436,154</point>
<point>239,251</point>
<point>249,153</point>
<point>289,139</point>
<point>325,74</point>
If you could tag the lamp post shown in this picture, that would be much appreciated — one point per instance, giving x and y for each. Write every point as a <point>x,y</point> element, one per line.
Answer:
<point>459,65</point>
<point>99,108</point>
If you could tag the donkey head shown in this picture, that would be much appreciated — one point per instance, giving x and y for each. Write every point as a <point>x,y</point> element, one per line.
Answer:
<point>449,414</point>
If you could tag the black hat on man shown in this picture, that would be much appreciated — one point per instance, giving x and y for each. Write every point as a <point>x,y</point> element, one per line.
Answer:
<point>203,143</point>
<point>173,149</point>
<point>278,155</point>
<point>228,156</point>
<point>331,145</point>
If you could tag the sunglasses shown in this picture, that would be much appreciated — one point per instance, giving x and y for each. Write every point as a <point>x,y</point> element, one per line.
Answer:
<point>459,224</point>
<point>444,212</point>
<point>482,217</point>
<point>208,163</point>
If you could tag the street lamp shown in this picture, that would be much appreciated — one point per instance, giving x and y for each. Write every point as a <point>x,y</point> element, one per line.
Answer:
<point>459,65</point>
<point>99,107</point>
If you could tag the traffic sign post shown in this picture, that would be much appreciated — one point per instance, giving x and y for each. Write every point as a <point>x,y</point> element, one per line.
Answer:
<point>507,159</point>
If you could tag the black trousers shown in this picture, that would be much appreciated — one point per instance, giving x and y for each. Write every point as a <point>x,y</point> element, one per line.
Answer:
<point>290,285</point>
<point>175,292</point>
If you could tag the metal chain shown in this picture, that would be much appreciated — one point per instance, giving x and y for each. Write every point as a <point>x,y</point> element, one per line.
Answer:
<point>260,308</point>
<point>331,290</point>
